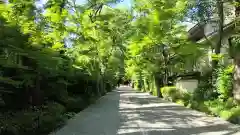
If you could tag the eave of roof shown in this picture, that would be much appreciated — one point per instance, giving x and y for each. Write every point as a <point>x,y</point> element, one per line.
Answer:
<point>196,26</point>
<point>215,33</point>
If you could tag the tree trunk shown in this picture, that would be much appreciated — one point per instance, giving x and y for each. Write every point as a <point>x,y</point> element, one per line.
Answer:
<point>217,49</point>
<point>103,91</point>
<point>236,75</point>
<point>98,85</point>
<point>140,80</point>
<point>157,84</point>
<point>234,54</point>
<point>165,56</point>
<point>36,93</point>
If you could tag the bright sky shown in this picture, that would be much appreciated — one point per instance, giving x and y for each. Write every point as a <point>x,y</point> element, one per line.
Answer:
<point>125,3</point>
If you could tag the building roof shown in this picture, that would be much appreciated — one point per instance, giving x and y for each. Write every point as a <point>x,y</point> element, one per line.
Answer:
<point>196,33</point>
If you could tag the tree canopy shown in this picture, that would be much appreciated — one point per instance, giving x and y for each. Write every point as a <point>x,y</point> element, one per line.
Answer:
<point>65,53</point>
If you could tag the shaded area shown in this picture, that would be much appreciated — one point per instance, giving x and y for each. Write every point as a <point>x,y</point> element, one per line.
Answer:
<point>98,119</point>
<point>39,86</point>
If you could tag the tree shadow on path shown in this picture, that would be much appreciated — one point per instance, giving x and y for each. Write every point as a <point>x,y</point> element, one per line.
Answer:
<point>126,112</point>
<point>148,115</point>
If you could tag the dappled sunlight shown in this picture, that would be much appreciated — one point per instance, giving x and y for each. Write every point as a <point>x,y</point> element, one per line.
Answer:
<point>126,112</point>
<point>145,114</point>
<point>65,62</point>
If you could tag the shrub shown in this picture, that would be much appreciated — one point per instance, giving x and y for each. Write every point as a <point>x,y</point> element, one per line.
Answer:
<point>180,102</point>
<point>204,91</point>
<point>226,110</point>
<point>49,122</point>
<point>215,106</point>
<point>173,94</point>
<point>76,104</point>
<point>225,114</point>
<point>51,117</point>
<point>59,95</point>
<point>235,117</point>
<point>54,108</point>
<point>170,93</point>
<point>108,86</point>
<point>193,104</point>
<point>224,81</point>
<point>221,105</point>
<point>33,121</point>
<point>19,122</point>
<point>230,103</point>
<point>186,97</point>
<point>69,115</point>
<point>200,106</point>
<point>203,108</point>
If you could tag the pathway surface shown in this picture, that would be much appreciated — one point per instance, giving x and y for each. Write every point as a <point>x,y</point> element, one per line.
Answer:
<point>127,112</point>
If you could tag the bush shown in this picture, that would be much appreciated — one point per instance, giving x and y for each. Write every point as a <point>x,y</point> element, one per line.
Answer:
<point>54,108</point>
<point>215,106</point>
<point>33,121</point>
<point>60,95</point>
<point>200,106</point>
<point>170,93</point>
<point>227,110</point>
<point>173,94</point>
<point>224,81</point>
<point>180,102</point>
<point>204,91</point>
<point>235,117</point>
<point>230,103</point>
<point>193,104</point>
<point>108,86</point>
<point>51,117</point>
<point>218,104</point>
<point>69,115</point>
<point>19,122</point>
<point>76,104</point>
<point>186,97</point>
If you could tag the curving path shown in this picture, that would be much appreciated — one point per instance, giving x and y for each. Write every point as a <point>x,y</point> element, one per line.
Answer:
<point>127,112</point>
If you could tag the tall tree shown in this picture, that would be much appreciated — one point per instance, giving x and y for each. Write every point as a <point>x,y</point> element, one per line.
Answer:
<point>158,39</point>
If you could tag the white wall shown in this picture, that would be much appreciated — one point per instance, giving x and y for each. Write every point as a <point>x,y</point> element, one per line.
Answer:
<point>205,61</point>
<point>224,50</point>
<point>187,85</point>
<point>210,27</point>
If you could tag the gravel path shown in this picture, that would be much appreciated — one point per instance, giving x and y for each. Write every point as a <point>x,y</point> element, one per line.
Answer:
<point>127,112</point>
